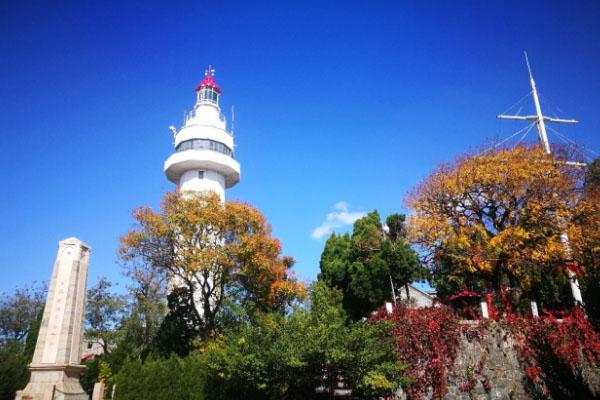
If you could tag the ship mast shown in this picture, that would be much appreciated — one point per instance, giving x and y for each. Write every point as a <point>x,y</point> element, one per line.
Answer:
<point>539,118</point>
<point>540,121</point>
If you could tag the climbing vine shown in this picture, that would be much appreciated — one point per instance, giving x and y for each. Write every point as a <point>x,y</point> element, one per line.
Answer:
<point>427,339</point>
<point>554,349</point>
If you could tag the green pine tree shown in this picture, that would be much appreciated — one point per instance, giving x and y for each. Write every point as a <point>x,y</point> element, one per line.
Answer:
<point>364,264</point>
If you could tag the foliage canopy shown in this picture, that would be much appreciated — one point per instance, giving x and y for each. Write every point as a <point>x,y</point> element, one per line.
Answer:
<point>103,314</point>
<point>589,245</point>
<point>364,265</point>
<point>20,319</point>
<point>278,356</point>
<point>497,219</point>
<point>218,251</point>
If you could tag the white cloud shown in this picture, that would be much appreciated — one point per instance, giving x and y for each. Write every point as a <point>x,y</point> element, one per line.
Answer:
<point>337,219</point>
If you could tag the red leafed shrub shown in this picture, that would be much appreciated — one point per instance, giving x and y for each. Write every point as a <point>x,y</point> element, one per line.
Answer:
<point>427,339</point>
<point>554,351</point>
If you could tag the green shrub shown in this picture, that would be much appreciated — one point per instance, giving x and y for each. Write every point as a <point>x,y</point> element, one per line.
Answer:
<point>13,369</point>
<point>275,356</point>
<point>173,378</point>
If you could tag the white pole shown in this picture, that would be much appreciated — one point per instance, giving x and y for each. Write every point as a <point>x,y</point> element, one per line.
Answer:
<point>572,277</point>
<point>389,308</point>
<point>232,120</point>
<point>393,291</point>
<point>484,310</point>
<point>534,310</point>
<point>538,110</point>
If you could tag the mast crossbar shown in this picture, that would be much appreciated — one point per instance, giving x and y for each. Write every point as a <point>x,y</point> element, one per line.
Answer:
<point>535,118</point>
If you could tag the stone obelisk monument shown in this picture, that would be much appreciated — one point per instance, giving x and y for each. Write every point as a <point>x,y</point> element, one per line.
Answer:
<point>56,364</point>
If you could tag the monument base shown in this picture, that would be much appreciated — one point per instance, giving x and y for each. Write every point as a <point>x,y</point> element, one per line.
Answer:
<point>53,382</point>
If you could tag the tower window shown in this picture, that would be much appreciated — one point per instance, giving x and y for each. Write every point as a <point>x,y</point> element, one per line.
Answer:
<point>208,95</point>
<point>201,174</point>
<point>204,144</point>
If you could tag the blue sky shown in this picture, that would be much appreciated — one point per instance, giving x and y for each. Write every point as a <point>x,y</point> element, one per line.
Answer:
<point>341,107</point>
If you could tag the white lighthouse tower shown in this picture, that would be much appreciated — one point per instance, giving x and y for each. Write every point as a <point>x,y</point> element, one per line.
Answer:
<point>203,159</point>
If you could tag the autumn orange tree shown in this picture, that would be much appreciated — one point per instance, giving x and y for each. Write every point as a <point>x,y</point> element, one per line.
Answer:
<point>218,252</point>
<point>586,237</point>
<point>495,220</point>
<point>587,243</point>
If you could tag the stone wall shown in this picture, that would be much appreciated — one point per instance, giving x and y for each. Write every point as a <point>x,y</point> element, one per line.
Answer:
<point>487,367</point>
<point>490,359</point>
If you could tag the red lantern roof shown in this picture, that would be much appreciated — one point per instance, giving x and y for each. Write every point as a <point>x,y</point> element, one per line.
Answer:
<point>208,80</point>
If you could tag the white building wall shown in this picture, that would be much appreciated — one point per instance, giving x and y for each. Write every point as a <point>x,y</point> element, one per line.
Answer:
<point>416,299</point>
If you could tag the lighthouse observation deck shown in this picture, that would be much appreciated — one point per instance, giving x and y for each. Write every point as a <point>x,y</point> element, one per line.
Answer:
<point>202,160</point>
